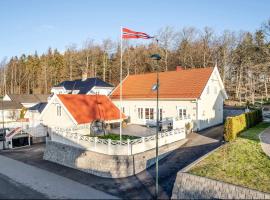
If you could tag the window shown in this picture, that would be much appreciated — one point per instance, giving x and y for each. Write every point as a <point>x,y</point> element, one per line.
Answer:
<point>146,113</point>
<point>58,110</point>
<point>151,113</point>
<point>182,113</point>
<point>160,114</point>
<point>140,113</point>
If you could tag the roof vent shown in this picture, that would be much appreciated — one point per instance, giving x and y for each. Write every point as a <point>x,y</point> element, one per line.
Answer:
<point>179,68</point>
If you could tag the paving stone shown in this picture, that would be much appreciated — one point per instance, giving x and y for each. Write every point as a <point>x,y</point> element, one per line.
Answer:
<point>200,187</point>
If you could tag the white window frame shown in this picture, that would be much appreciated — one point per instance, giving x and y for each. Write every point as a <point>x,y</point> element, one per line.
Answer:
<point>150,116</point>
<point>182,113</point>
<point>140,113</point>
<point>160,114</point>
<point>58,110</point>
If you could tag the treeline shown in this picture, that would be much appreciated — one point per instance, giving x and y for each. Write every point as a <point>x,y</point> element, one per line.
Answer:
<point>243,59</point>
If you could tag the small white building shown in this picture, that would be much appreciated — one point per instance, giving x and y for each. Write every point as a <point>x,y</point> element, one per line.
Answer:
<point>70,110</point>
<point>9,111</point>
<point>197,94</point>
<point>85,85</point>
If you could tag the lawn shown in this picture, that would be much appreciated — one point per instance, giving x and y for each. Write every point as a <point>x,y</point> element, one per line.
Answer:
<point>241,162</point>
<point>113,136</point>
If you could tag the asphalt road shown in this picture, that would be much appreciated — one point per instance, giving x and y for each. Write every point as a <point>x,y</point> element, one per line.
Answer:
<point>143,184</point>
<point>10,189</point>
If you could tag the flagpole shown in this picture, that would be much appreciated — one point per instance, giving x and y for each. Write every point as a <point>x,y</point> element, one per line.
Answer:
<point>121,65</point>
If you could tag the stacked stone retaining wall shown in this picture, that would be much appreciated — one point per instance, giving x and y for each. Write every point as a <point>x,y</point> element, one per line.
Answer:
<point>189,186</point>
<point>112,166</point>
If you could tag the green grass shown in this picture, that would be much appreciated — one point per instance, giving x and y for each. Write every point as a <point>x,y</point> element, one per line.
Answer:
<point>113,136</point>
<point>241,162</point>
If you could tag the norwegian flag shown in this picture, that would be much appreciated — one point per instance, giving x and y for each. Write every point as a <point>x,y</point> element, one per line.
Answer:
<point>129,34</point>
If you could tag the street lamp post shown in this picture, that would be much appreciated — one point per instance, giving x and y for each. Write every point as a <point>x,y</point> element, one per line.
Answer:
<point>3,121</point>
<point>157,57</point>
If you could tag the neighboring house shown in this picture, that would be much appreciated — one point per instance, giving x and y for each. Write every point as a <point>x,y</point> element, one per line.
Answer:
<point>83,86</point>
<point>33,114</point>
<point>70,110</point>
<point>27,100</point>
<point>10,110</point>
<point>197,94</point>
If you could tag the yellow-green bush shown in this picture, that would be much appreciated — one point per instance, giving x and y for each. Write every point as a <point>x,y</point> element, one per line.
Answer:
<point>22,113</point>
<point>235,125</point>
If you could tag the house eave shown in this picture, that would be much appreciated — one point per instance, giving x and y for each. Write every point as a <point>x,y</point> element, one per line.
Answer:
<point>161,99</point>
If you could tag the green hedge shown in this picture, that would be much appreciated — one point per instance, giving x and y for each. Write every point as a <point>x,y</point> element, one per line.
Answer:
<point>235,125</point>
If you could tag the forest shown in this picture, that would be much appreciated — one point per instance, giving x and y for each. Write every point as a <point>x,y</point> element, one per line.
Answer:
<point>243,60</point>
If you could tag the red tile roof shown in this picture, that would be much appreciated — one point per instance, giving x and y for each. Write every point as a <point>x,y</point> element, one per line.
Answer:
<point>187,83</point>
<point>87,108</point>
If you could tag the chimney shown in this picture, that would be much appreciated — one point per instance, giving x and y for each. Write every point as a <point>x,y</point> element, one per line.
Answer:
<point>84,76</point>
<point>179,68</point>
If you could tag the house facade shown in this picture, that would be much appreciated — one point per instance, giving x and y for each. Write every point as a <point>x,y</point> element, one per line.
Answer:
<point>70,110</point>
<point>89,86</point>
<point>196,94</point>
<point>10,111</point>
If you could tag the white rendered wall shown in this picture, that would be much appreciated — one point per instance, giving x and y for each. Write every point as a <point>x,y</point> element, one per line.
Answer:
<point>100,90</point>
<point>10,115</point>
<point>169,108</point>
<point>210,105</point>
<point>50,118</point>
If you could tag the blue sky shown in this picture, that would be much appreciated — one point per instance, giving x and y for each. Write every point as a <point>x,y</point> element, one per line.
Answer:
<point>29,25</point>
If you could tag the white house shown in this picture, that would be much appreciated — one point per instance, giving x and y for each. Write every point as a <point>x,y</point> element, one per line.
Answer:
<point>83,86</point>
<point>10,111</point>
<point>70,110</point>
<point>197,94</point>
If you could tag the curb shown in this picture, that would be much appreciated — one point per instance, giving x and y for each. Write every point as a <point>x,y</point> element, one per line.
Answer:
<point>261,141</point>
<point>185,169</point>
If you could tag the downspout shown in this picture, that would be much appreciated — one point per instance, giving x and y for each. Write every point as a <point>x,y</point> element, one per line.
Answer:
<point>197,115</point>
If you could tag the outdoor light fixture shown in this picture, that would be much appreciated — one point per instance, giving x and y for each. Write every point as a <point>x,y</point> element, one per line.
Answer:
<point>155,87</point>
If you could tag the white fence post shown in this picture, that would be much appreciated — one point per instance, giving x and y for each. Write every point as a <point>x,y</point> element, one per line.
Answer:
<point>109,146</point>
<point>128,145</point>
<point>95,140</point>
<point>143,142</point>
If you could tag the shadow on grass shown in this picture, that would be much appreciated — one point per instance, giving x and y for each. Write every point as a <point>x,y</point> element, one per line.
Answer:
<point>253,132</point>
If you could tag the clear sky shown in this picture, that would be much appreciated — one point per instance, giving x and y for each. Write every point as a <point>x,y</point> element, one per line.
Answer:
<point>29,25</point>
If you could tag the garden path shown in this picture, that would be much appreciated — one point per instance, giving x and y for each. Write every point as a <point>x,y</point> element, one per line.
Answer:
<point>265,141</point>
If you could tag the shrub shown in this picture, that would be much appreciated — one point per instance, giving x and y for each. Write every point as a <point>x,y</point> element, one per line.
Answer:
<point>22,113</point>
<point>235,125</point>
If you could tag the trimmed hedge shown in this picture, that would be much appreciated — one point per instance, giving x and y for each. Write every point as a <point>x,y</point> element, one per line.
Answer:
<point>235,125</point>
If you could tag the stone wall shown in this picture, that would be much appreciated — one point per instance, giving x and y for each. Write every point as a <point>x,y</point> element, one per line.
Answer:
<point>112,166</point>
<point>188,186</point>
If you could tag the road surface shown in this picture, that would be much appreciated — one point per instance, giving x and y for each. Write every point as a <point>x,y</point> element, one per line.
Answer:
<point>143,184</point>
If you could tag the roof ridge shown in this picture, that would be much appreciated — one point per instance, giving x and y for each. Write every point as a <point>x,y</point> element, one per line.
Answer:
<point>188,69</point>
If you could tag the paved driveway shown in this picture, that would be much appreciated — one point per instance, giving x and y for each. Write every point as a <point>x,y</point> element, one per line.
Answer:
<point>135,130</point>
<point>143,184</point>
